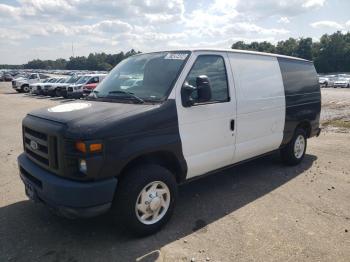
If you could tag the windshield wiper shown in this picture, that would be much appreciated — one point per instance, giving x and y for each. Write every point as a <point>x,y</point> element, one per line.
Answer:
<point>140,100</point>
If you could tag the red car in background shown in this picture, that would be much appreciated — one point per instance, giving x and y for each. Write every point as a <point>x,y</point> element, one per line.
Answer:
<point>88,88</point>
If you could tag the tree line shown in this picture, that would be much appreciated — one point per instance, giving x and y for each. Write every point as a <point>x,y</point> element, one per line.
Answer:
<point>96,61</point>
<point>330,54</point>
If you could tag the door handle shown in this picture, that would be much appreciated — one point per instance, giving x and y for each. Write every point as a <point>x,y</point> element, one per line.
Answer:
<point>232,125</point>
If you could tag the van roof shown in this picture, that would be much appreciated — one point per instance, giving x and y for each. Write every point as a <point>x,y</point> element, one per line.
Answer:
<point>236,51</point>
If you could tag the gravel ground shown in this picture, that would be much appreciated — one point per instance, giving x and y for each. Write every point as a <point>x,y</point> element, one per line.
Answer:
<point>260,211</point>
<point>335,115</point>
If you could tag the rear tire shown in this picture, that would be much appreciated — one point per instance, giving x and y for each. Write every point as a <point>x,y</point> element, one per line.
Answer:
<point>293,153</point>
<point>145,199</point>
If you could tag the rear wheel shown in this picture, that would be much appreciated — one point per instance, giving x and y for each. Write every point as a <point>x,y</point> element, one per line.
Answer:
<point>294,152</point>
<point>145,199</point>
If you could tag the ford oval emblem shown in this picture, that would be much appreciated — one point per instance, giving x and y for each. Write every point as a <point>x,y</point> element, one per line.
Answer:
<point>34,145</point>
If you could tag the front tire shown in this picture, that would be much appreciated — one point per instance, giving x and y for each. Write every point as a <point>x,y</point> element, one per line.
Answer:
<point>25,89</point>
<point>293,153</point>
<point>145,199</point>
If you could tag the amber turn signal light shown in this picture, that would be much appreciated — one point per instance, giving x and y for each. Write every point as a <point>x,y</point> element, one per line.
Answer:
<point>80,146</point>
<point>93,148</point>
<point>96,147</point>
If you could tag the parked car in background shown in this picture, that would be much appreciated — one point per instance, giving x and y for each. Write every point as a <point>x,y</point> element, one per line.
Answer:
<point>6,77</point>
<point>48,89</point>
<point>76,90</point>
<point>325,81</point>
<point>21,84</point>
<point>37,88</point>
<point>342,82</point>
<point>51,88</point>
<point>87,88</point>
<point>61,88</point>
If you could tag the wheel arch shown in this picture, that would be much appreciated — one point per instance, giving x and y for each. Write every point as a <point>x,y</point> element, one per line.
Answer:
<point>165,159</point>
<point>306,125</point>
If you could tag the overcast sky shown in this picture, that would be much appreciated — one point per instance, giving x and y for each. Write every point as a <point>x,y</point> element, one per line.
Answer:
<point>46,29</point>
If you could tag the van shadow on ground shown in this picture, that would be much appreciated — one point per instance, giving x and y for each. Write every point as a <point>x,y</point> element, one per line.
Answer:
<point>29,232</point>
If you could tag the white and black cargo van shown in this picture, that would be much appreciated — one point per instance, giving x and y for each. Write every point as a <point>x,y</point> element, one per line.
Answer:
<point>160,119</point>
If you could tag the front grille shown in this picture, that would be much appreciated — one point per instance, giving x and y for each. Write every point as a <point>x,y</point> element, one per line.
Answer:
<point>13,83</point>
<point>70,89</point>
<point>41,147</point>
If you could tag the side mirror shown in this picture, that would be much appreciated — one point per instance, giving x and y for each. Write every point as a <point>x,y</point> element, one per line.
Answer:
<point>186,94</point>
<point>203,88</point>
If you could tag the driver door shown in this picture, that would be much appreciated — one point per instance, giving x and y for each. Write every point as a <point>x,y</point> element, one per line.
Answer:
<point>207,130</point>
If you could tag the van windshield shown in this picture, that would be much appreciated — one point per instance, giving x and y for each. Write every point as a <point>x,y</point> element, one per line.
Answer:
<point>147,77</point>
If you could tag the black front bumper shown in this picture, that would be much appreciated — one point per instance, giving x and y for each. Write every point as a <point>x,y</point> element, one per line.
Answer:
<point>66,197</point>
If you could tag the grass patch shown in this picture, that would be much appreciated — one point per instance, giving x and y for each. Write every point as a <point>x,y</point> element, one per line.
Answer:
<point>340,123</point>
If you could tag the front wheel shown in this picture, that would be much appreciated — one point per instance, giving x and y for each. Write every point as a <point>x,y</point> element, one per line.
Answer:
<point>25,89</point>
<point>145,199</point>
<point>294,152</point>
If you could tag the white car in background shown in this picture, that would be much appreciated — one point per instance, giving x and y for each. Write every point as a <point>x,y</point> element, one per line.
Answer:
<point>21,85</point>
<point>77,90</point>
<point>325,81</point>
<point>37,88</point>
<point>342,82</point>
<point>48,89</point>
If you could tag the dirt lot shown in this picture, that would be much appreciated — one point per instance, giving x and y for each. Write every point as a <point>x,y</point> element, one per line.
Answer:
<point>261,211</point>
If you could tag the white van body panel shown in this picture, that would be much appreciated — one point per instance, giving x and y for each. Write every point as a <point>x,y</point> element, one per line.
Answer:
<point>208,143</point>
<point>260,104</point>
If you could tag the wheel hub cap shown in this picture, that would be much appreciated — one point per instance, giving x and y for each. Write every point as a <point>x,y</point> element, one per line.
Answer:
<point>155,203</point>
<point>152,203</point>
<point>299,146</point>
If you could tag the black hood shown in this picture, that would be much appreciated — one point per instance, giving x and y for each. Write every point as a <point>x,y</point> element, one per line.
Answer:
<point>86,118</point>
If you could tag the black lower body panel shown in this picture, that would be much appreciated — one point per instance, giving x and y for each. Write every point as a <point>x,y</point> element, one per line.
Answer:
<point>66,197</point>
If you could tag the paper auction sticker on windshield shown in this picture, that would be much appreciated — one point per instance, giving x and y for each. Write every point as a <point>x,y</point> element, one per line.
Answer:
<point>69,107</point>
<point>176,56</point>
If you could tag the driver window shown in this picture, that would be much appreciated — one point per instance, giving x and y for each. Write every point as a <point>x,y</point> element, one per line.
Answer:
<point>213,66</point>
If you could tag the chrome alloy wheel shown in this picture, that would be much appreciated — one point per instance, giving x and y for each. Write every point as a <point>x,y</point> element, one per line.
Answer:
<point>299,146</point>
<point>152,203</point>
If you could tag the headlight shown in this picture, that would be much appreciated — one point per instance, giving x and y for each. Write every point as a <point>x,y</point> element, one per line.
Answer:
<point>82,166</point>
